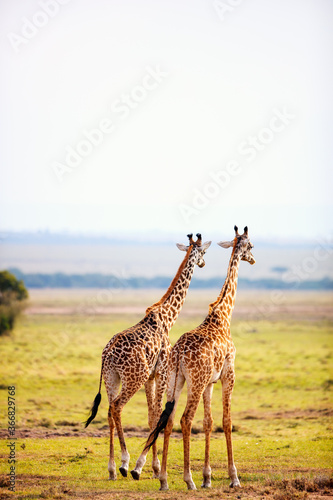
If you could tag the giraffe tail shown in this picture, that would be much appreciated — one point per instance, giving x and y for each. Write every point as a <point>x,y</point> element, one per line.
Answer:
<point>161,424</point>
<point>94,409</point>
<point>97,400</point>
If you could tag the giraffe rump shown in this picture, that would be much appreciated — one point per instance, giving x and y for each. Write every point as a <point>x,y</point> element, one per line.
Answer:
<point>94,409</point>
<point>161,424</point>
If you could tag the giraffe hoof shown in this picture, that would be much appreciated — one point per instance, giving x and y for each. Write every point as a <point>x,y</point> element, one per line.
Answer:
<point>135,475</point>
<point>123,471</point>
<point>191,486</point>
<point>112,475</point>
<point>235,484</point>
<point>164,485</point>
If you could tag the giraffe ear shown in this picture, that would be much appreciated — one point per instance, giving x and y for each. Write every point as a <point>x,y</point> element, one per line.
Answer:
<point>184,248</point>
<point>206,245</point>
<point>226,244</point>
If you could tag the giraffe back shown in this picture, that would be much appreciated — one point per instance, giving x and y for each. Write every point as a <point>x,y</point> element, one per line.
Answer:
<point>137,346</point>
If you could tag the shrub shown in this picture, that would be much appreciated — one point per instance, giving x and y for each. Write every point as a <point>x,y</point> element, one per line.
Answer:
<point>12,300</point>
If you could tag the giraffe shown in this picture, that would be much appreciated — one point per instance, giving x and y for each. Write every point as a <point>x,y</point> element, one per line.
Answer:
<point>201,357</point>
<point>138,356</point>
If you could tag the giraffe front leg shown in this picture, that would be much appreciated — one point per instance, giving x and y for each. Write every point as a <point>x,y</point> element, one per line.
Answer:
<point>228,381</point>
<point>208,426</point>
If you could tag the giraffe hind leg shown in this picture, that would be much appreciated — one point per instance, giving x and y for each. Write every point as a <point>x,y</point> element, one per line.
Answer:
<point>112,463</point>
<point>151,389</point>
<point>208,425</point>
<point>112,383</point>
<point>228,380</point>
<point>126,393</point>
<point>154,392</point>
<point>193,400</point>
<point>168,429</point>
<point>150,396</point>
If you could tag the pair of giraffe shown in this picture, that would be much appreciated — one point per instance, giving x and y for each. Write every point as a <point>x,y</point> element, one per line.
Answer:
<point>142,355</point>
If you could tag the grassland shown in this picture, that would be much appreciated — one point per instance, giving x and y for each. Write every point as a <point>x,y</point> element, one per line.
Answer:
<point>282,403</point>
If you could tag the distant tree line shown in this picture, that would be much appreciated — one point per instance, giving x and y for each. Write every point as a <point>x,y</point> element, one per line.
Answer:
<point>96,280</point>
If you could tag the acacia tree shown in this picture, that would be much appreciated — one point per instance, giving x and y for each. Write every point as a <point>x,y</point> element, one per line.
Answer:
<point>13,295</point>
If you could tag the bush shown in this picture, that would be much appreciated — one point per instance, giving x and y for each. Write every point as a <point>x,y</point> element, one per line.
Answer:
<point>12,300</point>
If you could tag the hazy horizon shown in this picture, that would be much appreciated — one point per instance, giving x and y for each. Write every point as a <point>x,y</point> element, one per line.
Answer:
<point>144,258</point>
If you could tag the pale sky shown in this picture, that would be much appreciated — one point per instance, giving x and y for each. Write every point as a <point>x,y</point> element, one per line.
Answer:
<point>209,114</point>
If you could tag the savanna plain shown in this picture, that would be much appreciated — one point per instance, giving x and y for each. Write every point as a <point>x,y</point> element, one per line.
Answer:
<point>281,408</point>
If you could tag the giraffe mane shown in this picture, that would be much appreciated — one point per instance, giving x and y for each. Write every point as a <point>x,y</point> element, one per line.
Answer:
<point>173,282</point>
<point>222,293</point>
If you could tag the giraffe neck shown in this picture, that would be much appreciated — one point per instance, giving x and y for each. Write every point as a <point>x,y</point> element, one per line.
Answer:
<point>169,306</point>
<point>222,308</point>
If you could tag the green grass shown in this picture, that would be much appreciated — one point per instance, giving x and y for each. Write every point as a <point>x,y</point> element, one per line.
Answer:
<point>281,409</point>
<point>55,364</point>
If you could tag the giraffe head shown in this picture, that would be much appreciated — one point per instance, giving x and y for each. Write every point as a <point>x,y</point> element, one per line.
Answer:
<point>242,244</point>
<point>198,248</point>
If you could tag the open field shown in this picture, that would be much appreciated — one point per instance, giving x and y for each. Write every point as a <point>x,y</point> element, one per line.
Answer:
<point>282,404</point>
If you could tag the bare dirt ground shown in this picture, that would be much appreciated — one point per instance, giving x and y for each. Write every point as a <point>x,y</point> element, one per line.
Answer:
<point>313,313</point>
<point>139,432</point>
<point>245,312</point>
<point>253,305</point>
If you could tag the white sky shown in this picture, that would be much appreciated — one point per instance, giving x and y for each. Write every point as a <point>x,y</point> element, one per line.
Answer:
<point>223,81</point>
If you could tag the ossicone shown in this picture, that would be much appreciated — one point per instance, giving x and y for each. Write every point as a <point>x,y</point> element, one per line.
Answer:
<point>190,237</point>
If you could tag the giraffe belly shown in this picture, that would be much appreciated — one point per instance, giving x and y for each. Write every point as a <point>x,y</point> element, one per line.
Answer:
<point>216,375</point>
<point>217,367</point>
